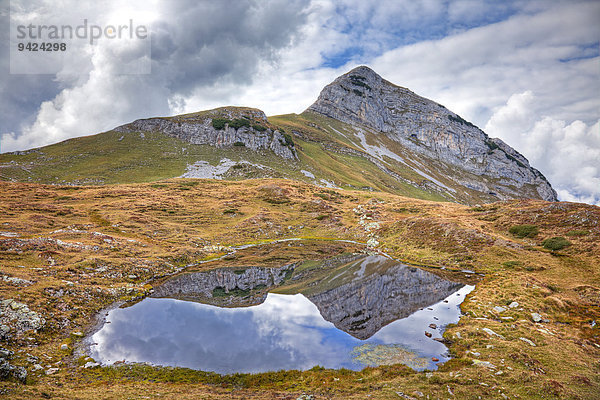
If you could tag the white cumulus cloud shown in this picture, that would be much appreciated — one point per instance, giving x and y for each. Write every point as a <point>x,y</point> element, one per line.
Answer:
<point>568,154</point>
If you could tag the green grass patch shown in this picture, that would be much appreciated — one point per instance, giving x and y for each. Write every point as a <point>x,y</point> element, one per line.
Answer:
<point>556,243</point>
<point>239,123</point>
<point>522,231</point>
<point>219,123</point>
<point>578,232</point>
<point>512,264</point>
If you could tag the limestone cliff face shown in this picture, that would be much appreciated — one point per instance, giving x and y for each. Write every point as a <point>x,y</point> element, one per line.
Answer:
<point>199,129</point>
<point>363,98</point>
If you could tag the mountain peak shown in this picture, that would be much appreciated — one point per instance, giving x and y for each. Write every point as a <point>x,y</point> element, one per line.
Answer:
<point>432,132</point>
<point>363,71</point>
<point>351,96</point>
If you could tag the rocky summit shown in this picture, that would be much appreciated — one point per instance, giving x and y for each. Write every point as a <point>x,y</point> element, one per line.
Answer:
<point>429,131</point>
<point>363,132</point>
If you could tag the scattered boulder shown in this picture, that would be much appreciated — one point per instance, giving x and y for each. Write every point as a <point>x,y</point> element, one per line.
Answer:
<point>8,370</point>
<point>492,333</point>
<point>485,364</point>
<point>90,364</point>
<point>16,281</point>
<point>527,341</point>
<point>537,318</point>
<point>16,318</point>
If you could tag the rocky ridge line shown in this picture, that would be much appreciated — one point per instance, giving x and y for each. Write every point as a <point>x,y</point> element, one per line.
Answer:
<point>362,97</point>
<point>258,135</point>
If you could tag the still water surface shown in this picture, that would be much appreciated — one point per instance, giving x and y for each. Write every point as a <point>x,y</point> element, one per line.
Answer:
<point>290,331</point>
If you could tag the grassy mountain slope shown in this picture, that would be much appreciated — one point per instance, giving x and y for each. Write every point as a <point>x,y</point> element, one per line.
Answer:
<point>330,153</point>
<point>116,157</point>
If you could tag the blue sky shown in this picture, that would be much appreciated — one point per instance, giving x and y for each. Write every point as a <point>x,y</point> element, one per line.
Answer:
<point>526,71</point>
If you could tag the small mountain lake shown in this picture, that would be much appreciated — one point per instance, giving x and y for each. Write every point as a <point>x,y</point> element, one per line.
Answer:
<point>356,312</point>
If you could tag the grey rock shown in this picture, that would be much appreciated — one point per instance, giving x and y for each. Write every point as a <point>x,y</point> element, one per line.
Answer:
<point>363,98</point>
<point>527,341</point>
<point>492,333</point>
<point>5,353</point>
<point>8,370</point>
<point>16,318</point>
<point>199,130</point>
<point>499,309</point>
<point>536,317</point>
<point>514,304</point>
<point>16,281</point>
<point>485,364</point>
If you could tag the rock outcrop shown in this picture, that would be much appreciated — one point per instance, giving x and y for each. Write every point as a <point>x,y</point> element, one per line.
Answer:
<point>428,130</point>
<point>221,128</point>
<point>8,370</point>
<point>16,318</point>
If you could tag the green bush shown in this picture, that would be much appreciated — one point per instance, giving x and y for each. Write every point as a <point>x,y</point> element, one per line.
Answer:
<point>578,232</point>
<point>288,141</point>
<point>219,123</point>
<point>258,128</point>
<point>512,264</point>
<point>556,243</point>
<point>525,230</point>
<point>239,122</point>
<point>239,144</point>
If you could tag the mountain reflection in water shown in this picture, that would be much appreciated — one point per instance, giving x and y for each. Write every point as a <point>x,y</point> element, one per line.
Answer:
<point>366,308</point>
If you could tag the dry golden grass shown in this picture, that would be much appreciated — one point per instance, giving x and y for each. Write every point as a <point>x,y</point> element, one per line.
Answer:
<point>96,245</point>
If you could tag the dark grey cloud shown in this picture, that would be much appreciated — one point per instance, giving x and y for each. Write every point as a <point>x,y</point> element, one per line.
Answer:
<point>198,43</point>
<point>20,95</point>
<point>195,44</point>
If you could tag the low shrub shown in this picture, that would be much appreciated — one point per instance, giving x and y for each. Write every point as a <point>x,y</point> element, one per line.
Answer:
<point>578,232</point>
<point>239,144</point>
<point>288,141</point>
<point>556,243</point>
<point>219,123</point>
<point>525,230</point>
<point>512,264</point>
<point>239,122</point>
<point>258,128</point>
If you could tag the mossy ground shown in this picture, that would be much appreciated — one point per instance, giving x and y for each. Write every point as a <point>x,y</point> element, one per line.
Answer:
<point>86,247</point>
